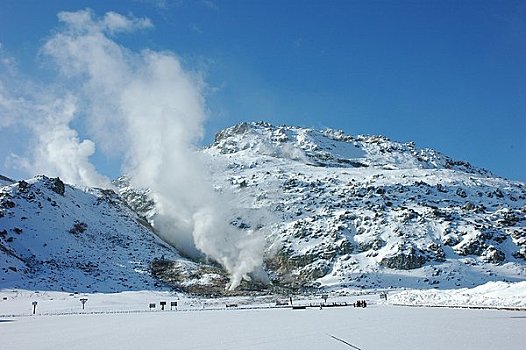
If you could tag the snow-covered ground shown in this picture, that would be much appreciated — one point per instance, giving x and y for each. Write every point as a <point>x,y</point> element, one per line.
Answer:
<point>491,294</point>
<point>374,327</point>
<point>124,321</point>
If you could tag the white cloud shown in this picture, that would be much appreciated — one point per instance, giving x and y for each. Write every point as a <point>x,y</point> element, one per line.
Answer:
<point>115,22</point>
<point>56,149</point>
<point>112,22</point>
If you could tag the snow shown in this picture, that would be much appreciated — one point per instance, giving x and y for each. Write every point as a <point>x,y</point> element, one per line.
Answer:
<point>84,240</point>
<point>491,294</point>
<point>379,213</point>
<point>330,207</point>
<point>122,321</point>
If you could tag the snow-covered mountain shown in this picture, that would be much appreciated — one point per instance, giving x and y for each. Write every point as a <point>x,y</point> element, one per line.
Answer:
<point>55,236</point>
<point>339,210</point>
<point>367,211</point>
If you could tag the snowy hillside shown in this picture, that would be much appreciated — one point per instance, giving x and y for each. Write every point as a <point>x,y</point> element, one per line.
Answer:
<point>338,211</point>
<point>492,295</point>
<point>59,237</point>
<point>369,212</point>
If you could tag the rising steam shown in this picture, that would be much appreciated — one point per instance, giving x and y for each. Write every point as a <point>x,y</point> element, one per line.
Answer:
<point>146,107</point>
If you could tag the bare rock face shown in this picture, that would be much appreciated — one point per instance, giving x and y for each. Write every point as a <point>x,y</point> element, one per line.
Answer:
<point>407,259</point>
<point>58,186</point>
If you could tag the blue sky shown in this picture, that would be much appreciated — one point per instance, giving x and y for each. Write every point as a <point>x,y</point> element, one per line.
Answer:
<point>449,75</point>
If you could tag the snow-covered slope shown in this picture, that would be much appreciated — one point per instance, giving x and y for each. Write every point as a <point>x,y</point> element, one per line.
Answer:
<point>59,237</point>
<point>367,211</point>
<point>55,236</point>
<point>340,211</point>
<point>5,181</point>
<point>491,294</point>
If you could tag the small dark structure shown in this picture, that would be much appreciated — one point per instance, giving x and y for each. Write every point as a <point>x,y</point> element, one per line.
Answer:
<point>231,305</point>
<point>299,307</point>
<point>335,304</point>
<point>360,303</point>
<point>152,306</point>
<point>173,304</point>
<point>163,304</point>
<point>83,301</point>
<point>34,306</point>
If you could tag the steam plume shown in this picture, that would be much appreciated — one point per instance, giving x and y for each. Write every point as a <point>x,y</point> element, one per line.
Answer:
<point>154,110</point>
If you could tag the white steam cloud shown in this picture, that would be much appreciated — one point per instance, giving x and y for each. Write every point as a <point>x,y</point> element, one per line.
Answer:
<point>151,110</point>
<point>56,148</point>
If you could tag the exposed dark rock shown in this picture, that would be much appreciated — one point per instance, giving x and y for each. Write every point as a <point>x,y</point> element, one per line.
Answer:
<point>451,240</point>
<point>23,186</point>
<point>493,255</point>
<point>405,260</point>
<point>468,206</point>
<point>58,186</point>
<point>461,193</point>
<point>441,188</point>
<point>315,270</point>
<point>201,279</point>
<point>436,252</point>
<point>520,254</point>
<point>8,204</point>
<point>471,247</point>
<point>374,244</point>
<point>78,228</point>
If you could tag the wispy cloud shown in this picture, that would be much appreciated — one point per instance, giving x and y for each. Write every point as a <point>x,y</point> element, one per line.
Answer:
<point>112,22</point>
<point>210,5</point>
<point>7,62</point>
<point>194,27</point>
<point>161,4</point>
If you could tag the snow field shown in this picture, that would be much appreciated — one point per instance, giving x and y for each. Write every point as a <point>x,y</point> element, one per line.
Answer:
<point>491,294</point>
<point>123,321</point>
<point>375,327</point>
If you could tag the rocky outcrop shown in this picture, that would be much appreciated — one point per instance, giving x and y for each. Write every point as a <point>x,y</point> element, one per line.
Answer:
<point>404,259</point>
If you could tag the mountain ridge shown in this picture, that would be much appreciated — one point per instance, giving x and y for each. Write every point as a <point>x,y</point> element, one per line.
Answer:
<point>356,209</point>
<point>339,211</point>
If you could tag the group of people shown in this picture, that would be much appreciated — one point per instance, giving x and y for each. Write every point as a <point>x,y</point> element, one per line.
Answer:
<point>360,303</point>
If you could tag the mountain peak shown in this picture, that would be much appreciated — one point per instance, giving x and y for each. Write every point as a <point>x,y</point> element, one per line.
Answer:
<point>357,210</point>
<point>333,148</point>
